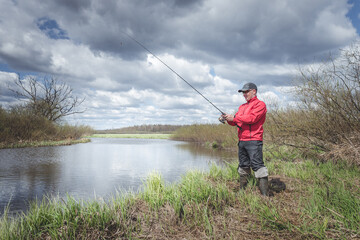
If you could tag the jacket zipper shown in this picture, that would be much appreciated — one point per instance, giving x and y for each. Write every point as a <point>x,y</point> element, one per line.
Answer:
<point>237,124</point>
<point>250,130</point>
<point>249,124</point>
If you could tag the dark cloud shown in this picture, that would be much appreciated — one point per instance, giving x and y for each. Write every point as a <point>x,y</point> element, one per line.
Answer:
<point>270,33</point>
<point>101,25</point>
<point>198,30</point>
<point>187,3</point>
<point>34,60</point>
<point>74,6</point>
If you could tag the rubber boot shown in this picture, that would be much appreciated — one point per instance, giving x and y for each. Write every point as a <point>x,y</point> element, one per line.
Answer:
<point>243,181</point>
<point>244,176</point>
<point>264,186</point>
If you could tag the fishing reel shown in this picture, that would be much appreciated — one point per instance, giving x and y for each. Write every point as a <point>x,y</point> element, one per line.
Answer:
<point>222,119</point>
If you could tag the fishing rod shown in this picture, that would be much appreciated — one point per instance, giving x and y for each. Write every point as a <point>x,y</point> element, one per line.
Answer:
<point>140,44</point>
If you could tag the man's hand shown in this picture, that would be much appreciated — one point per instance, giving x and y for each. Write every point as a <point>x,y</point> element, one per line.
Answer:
<point>227,117</point>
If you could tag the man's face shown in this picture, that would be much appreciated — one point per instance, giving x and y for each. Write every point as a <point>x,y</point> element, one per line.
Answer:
<point>249,94</point>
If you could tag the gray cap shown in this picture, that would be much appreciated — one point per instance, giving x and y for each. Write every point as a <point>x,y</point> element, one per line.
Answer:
<point>248,86</point>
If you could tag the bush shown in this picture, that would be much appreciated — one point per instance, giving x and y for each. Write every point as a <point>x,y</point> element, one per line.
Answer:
<point>20,125</point>
<point>328,117</point>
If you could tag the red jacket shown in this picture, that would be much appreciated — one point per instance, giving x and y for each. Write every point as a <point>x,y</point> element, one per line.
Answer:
<point>250,119</point>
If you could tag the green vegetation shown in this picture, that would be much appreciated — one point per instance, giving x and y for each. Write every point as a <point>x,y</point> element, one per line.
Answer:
<point>144,136</point>
<point>207,206</point>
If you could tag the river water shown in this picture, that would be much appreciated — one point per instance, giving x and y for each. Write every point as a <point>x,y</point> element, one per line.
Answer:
<point>97,169</point>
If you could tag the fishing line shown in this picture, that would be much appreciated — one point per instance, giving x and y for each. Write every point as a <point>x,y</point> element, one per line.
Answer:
<point>172,70</point>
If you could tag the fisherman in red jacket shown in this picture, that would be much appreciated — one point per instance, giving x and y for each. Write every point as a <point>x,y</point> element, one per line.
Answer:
<point>249,120</point>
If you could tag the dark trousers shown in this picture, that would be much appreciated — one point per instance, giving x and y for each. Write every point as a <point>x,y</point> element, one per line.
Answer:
<point>251,155</point>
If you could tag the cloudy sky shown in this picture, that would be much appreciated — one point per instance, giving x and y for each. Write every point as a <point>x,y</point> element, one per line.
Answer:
<point>217,46</point>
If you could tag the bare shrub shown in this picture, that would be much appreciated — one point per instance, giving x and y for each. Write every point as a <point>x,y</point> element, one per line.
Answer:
<point>49,98</point>
<point>328,116</point>
<point>348,149</point>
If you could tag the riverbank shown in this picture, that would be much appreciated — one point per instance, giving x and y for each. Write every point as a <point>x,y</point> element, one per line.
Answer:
<point>44,143</point>
<point>320,201</point>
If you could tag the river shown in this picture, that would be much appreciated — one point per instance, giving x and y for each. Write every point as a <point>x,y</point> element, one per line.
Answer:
<point>97,169</point>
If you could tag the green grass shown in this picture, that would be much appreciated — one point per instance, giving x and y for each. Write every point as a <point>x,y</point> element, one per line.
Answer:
<point>143,136</point>
<point>321,201</point>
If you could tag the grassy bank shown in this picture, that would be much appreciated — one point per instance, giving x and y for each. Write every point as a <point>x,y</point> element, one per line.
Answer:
<point>321,201</point>
<point>143,136</point>
<point>44,143</point>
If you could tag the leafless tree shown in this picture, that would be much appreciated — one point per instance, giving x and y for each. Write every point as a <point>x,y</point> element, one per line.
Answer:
<point>49,98</point>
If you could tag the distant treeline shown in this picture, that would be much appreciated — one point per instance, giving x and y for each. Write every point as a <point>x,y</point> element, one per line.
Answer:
<point>156,128</point>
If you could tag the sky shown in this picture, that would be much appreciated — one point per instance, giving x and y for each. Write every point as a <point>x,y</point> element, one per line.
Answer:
<point>217,46</point>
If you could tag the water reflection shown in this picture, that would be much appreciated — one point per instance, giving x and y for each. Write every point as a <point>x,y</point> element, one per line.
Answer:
<point>26,174</point>
<point>97,168</point>
<point>199,150</point>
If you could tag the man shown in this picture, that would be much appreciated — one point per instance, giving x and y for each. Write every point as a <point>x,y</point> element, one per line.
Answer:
<point>250,119</point>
